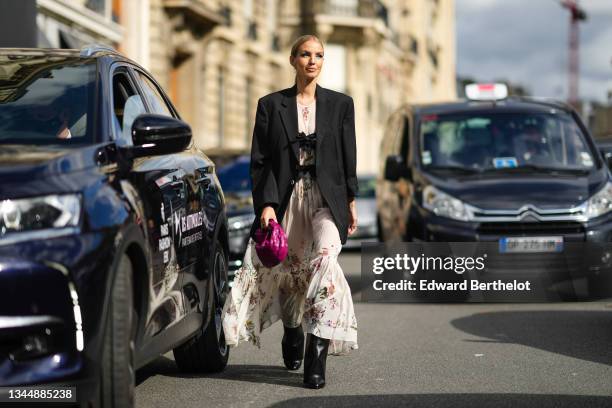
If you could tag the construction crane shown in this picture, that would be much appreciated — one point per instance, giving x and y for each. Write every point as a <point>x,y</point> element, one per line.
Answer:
<point>577,14</point>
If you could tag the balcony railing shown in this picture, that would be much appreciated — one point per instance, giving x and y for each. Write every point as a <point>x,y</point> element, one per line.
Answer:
<point>346,8</point>
<point>206,13</point>
<point>353,8</point>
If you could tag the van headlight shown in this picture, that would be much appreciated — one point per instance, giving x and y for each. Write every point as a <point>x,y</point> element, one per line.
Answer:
<point>52,212</point>
<point>445,205</point>
<point>600,203</point>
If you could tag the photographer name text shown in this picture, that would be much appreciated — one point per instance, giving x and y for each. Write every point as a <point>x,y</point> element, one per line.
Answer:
<point>433,285</point>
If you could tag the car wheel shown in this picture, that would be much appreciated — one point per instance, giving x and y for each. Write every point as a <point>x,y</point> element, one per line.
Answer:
<point>207,351</point>
<point>117,377</point>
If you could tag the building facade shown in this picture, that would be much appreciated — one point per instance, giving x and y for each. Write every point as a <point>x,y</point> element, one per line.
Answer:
<point>75,23</point>
<point>215,58</point>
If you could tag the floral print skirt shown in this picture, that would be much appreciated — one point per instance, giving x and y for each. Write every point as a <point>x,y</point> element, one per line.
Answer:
<point>308,288</point>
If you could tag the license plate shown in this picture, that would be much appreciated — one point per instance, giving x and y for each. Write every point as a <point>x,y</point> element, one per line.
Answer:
<point>531,244</point>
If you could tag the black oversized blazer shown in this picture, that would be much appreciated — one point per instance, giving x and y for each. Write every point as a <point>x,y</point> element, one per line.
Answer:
<point>274,153</point>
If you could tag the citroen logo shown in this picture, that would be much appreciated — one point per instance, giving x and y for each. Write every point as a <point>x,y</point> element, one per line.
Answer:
<point>528,212</point>
<point>528,207</point>
<point>528,216</point>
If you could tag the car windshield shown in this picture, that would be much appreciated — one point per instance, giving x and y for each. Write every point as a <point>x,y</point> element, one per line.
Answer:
<point>235,177</point>
<point>498,142</point>
<point>46,99</point>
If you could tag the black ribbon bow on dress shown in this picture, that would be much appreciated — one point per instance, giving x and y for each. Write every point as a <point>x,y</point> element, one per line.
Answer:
<point>307,141</point>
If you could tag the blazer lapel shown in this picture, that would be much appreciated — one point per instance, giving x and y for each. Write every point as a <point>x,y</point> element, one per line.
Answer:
<point>322,117</point>
<point>289,118</point>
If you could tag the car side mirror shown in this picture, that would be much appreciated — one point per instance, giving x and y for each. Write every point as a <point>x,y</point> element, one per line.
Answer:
<point>395,168</point>
<point>155,134</point>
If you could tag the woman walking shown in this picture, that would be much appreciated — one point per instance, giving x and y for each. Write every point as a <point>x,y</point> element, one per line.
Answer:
<point>303,164</point>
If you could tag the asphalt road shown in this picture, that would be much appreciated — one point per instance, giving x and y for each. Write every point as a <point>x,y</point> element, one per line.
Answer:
<point>419,355</point>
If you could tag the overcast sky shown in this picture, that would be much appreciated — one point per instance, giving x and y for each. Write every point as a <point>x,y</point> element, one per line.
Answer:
<point>526,42</point>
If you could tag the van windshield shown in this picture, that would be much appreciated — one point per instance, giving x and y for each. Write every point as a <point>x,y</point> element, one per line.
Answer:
<point>503,141</point>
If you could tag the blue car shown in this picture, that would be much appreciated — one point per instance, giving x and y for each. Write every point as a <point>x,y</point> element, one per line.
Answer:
<point>113,234</point>
<point>235,179</point>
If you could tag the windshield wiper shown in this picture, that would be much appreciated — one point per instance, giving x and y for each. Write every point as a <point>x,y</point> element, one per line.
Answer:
<point>459,169</point>
<point>525,168</point>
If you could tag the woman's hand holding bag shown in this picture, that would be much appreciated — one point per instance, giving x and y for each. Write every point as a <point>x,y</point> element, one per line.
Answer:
<point>271,244</point>
<point>267,214</point>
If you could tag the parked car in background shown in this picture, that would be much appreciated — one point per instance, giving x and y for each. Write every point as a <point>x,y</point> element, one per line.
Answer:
<point>113,236</point>
<point>605,147</point>
<point>367,215</point>
<point>234,176</point>
<point>519,172</point>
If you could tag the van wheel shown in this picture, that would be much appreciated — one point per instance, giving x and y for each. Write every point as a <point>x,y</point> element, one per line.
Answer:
<point>207,351</point>
<point>117,376</point>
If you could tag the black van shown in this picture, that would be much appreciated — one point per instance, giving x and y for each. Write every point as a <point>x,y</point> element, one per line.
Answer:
<point>523,173</point>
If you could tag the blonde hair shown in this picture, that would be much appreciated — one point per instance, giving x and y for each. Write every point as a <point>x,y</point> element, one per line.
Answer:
<point>301,40</point>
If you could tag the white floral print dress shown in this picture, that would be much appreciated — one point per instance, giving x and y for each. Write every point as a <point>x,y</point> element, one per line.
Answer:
<point>308,287</point>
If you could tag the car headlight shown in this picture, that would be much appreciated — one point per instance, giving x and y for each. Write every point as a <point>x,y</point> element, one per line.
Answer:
<point>600,203</point>
<point>53,212</point>
<point>445,205</point>
<point>240,222</point>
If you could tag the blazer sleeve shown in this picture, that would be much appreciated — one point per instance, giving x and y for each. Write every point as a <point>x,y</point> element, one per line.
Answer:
<point>349,150</point>
<point>265,190</point>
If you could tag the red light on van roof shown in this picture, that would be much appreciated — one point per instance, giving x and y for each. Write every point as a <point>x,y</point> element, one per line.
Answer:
<point>429,118</point>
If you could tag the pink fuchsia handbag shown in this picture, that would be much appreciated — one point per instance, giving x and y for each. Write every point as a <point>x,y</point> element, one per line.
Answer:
<point>271,244</point>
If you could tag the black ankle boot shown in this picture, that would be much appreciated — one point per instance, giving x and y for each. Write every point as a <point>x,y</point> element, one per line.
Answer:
<point>314,363</point>
<point>293,347</point>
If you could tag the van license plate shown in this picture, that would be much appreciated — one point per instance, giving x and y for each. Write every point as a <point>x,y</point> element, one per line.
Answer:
<point>531,244</point>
